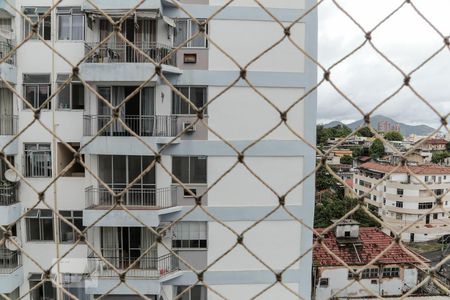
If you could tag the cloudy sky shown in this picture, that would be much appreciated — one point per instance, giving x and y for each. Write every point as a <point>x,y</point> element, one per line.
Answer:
<point>367,78</point>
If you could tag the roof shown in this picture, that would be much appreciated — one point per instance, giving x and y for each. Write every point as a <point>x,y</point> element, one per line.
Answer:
<point>436,142</point>
<point>349,182</point>
<point>364,158</point>
<point>419,170</point>
<point>372,241</point>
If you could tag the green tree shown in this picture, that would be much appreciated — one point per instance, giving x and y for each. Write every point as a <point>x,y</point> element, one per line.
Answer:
<point>438,157</point>
<point>393,136</point>
<point>324,180</point>
<point>322,134</point>
<point>365,132</point>
<point>346,160</point>
<point>376,150</point>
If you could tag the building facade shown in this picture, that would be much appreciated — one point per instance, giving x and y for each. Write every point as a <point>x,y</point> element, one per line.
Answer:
<point>402,199</point>
<point>117,158</point>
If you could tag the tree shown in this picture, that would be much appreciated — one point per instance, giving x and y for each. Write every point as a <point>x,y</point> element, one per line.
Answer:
<point>376,150</point>
<point>322,134</point>
<point>393,136</point>
<point>325,181</point>
<point>365,132</point>
<point>438,157</point>
<point>346,160</point>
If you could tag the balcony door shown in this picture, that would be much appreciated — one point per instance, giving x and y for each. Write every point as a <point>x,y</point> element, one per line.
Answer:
<point>138,113</point>
<point>6,112</point>
<point>122,246</point>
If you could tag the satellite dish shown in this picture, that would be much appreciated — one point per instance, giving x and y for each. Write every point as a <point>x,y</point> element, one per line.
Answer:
<point>10,245</point>
<point>11,176</point>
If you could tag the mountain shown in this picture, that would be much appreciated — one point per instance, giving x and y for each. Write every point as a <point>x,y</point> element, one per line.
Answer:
<point>405,129</point>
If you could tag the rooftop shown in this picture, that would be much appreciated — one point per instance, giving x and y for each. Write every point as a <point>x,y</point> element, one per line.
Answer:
<point>436,142</point>
<point>419,170</point>
<point>371,242</point>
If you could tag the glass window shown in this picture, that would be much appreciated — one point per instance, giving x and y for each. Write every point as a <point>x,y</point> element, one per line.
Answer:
<point>71,96</point>
<point>70,24</point>
<point>197,95</point>
<point>391,272</point>
<point>190,169</point>
<point>38,160</point>
<point>187,28</point>
<point>190,235</point>
<point>37,89</point>
<point>67,233</point>
<point>44,291</point>
<point>197,292</point>
<point>35,14</point>
<point>39,223</point>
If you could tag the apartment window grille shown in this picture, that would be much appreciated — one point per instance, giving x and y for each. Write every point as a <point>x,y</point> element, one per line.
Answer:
<point>399,204</point>
<point>197,95</point>
<point>70,23</point>
<point>67,233</point>
<point>197,292</point>
<point>391,272</point>
<point>44,291</point>
<point>190,169</point>
<point>5,25</point>
<point>186,29</point>
<point>36,89</point>
<point>190,235</point>
<point>369,273</point>
<point>35,14</point>
<point>425,205</point>
<point>38,160</point>
<point>39,225</point>
<point>72,95</point>
<point>323,282</point>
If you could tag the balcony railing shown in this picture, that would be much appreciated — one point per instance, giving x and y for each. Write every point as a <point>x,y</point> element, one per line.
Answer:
<point>8,194</point>
<point>5,48</point>
<point>120,52</point>
<point>9,261</point>
<point>147,267</point>
<point>141,125</point>
<point>149,197</point>
<point>8,124</point>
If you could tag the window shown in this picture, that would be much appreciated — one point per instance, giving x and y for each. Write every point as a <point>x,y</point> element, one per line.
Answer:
<point>369,273</point>
<point>38,160</point>
<point>374,198</point>
<point>391,272</point>
<point>398,216</point>
<point>198,292</point>
<point>35,14</point>
<point>65,157</point>
<point>187,28</point>
<point>323,282</point>
<point>191,235</point>
<point>72,95</point>
<point>351,275</point>
<point>39,224</point>
<point>44,291</point>
<point>426,178</point>
<point>435,216</point>
<point>400,192</point>
<point>197,95</point>
<point>36,89</point>
<point>70,24</point>
<point>67,233</point>
<point>189,169</point>
<point>384,200</point>
<point>347,233</point>
<point>399,204</point>
<point>425,205</point>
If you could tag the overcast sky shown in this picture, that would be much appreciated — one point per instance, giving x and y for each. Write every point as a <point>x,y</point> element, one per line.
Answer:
<point>366,77</point>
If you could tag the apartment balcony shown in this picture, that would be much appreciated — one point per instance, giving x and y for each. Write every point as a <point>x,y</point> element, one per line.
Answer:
<point>10,208</point>
<point>120,62</point>
<point>8,128</point>
<point>145,275</point>
<point>8,70</point>
<point>11,271</point>
<point>147,204</point>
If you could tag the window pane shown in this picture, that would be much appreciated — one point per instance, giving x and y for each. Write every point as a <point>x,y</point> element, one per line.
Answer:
<point>105,168</point>
<point>64,27</point>
<point>180,32</point>
<point>198,170</point>
<point>33,229</point>
<point>179,105</point>
<point>199,41</point>
<point>198,96</point>
<point>180,168</point>
<point>77,96</point>
<point>47,229</point>
<point>43,93</point>
<point>149,178</point>
<point>64,98</point>
<point>77,28</point>
<point>196,292</point>
<point>30,95</point>
<point>119,171</point>
<point>66,232</point>
<point>46,24</point>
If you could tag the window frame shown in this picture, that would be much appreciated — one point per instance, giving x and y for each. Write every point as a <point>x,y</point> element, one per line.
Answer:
<point>69,12</point>
<point>399,204</point>
<point>425,205</point>
<point>39,12</point>
<point>391,272</point>
<point>189,169</point>
<point>71,217</point>
<point>189,34</point>
<point>34,279</point>
<point>70,86</point>
<point>29,172</point>
<point>38,216</point>
<point>324,282</point>
<point>370,273</point>
<point>180,288</point>
<point>37,86</point>
<point>182,242</point>
<point>176,98</point>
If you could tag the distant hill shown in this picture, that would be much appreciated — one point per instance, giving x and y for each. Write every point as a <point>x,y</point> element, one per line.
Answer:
<point>405,129</point>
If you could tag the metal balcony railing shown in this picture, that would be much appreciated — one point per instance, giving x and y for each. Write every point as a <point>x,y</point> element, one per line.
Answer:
<point>9,261</point>
<point>149,197</point>
<point>5,48</point>
<point>151,125</point>
<point>147,267</point>
<point>8,194</point>
<point>8,124</point>
<point>120,52</point>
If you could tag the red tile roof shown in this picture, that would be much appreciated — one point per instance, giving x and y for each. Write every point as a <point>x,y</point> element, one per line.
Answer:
<point>436,142</point>
<point>421,169</point>
<point>373,242</point>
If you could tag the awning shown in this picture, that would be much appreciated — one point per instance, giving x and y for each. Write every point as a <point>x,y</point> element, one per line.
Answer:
<point>169,21</point>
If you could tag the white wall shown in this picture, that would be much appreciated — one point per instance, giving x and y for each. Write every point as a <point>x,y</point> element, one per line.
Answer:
<point>246,291</point>
<point>295,4</point>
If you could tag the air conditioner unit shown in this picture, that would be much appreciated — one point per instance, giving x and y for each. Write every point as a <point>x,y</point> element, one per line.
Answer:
<point>189,127</point>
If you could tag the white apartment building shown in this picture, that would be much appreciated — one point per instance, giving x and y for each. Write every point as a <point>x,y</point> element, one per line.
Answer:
<point>200,71</point>
<point>402,199</point>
